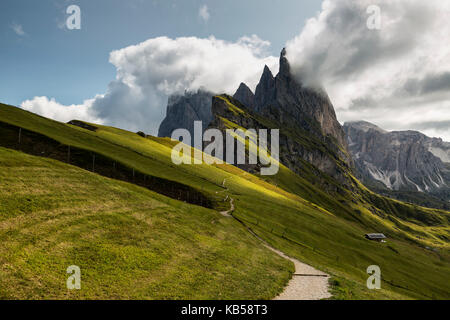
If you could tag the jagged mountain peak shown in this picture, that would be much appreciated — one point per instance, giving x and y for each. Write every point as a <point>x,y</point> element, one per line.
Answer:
<point>265,90</point>
<point>282,101</point>
<point>245,95</point>
<point>267,73</point>
<point>243,86</point>
<point>285,68</point>
<point>307,108</point>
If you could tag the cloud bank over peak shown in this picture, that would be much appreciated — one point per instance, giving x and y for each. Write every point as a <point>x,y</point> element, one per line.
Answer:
<point>175,65</point>
<point>147,73</point>
<point>397,76</point>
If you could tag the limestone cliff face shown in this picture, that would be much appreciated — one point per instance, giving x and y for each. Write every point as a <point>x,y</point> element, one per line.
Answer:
<point>399,160</point>
<point>266,91</point>
<point>310,133</point>
<point>284,99</point>
<point>302,153</point>
<point>311,109</point>
<point>183,110</point>
<point>245,95</point>
<point>310,130</point>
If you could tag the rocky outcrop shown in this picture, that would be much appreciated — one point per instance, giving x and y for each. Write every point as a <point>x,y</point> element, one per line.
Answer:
<point>245,95</point>
<point>310,108</point>
<point>310,130</point>
<point>399,160</point>
<point>83,125</point>
<point>265,93</point>
<point>285,99</point>
<point>303,154</point>
<point>183,110</point>
<point>310,137</point>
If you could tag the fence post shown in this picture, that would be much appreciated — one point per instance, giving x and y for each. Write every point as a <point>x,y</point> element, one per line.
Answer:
<point>20,134</point>
<point>68,154</point>
<point>93,163</point>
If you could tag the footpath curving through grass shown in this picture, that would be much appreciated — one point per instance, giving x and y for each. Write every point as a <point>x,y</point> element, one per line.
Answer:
<point>130,243</point>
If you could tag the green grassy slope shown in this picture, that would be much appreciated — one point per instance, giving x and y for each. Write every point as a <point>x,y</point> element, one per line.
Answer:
<point>293,215</point>
<point>132,244</point>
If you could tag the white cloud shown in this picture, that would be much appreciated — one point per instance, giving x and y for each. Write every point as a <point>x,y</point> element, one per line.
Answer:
<point>18,29</point>
<point>174,65</point>
<point>203,13</point>
<point>51,109</point>
<point>397,77</point>
<point>150,71</point>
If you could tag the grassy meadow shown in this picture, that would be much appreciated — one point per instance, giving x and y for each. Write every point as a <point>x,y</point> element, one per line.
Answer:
<point>129,242</point>
<point>134,243</point>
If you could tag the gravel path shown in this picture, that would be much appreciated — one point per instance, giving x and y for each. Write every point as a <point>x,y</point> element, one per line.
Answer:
<point>307,283</point>
<point>228,212</point>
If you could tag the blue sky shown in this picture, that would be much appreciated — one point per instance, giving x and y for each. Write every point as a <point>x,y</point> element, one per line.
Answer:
<point>72,65</point>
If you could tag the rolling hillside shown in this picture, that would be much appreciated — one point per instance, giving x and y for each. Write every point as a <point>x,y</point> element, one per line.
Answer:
<point>130,243</point>
<point>167,246</point>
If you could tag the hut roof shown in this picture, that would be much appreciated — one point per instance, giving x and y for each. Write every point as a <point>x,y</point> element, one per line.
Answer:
<point>375,236</point>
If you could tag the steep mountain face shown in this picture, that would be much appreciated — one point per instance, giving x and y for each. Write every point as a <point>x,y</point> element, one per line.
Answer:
<point>183,110</point>
<point>309,131</point>
<point>399,160</point>
<point>245,96</point>
<point>309,108</point>
<point>297,150</point>
<point>265,93</point>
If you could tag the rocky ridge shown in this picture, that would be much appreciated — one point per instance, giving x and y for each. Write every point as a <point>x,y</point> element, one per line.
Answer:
<point>399,160</point>
<point>183,110</point>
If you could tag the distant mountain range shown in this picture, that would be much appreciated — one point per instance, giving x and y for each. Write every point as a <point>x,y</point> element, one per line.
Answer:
<point>400,161</point>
